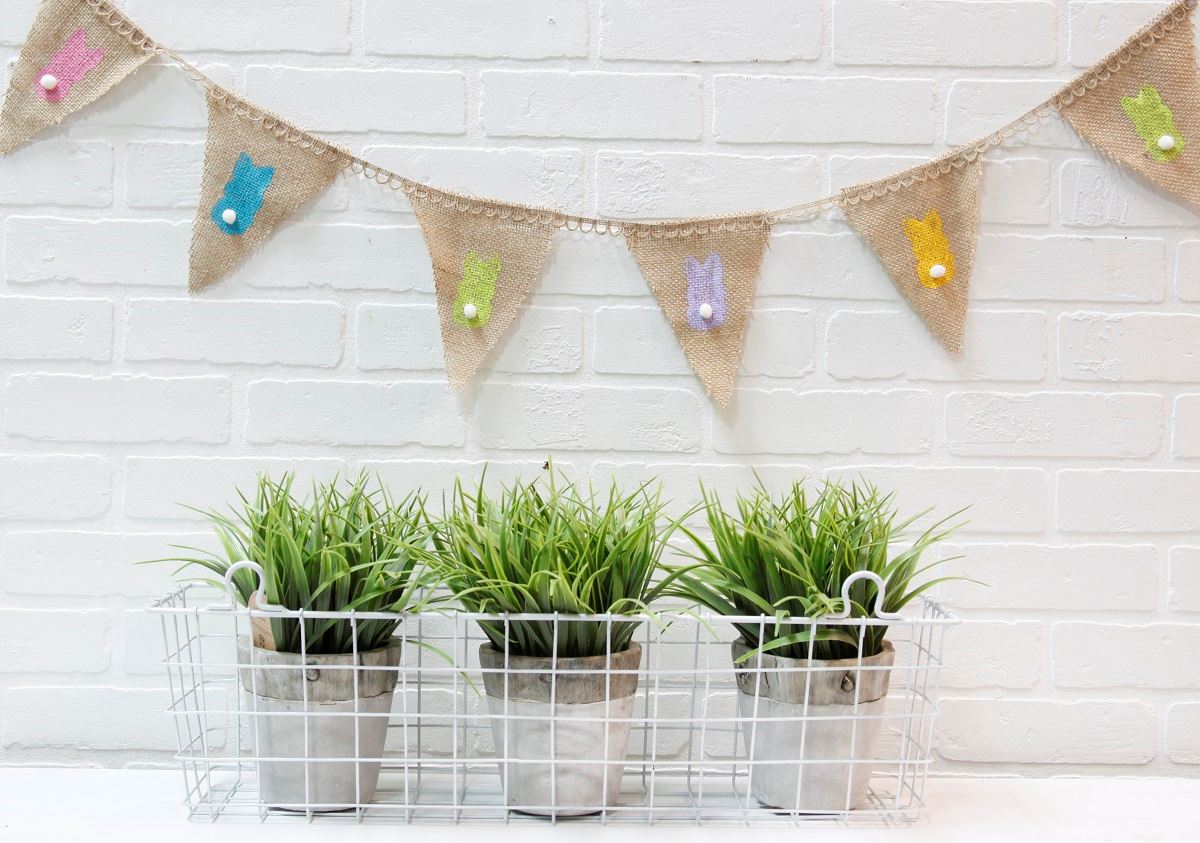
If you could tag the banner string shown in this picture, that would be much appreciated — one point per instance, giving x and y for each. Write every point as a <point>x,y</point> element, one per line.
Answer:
<point>955,159</point>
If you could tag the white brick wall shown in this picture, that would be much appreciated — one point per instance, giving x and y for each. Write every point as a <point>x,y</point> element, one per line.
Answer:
<point>1072,423</point>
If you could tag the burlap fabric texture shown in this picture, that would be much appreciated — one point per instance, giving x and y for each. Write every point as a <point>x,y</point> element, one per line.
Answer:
<point>704,275</point>
<point>902,226</point>
<point>485,262</point>
<point>296,172</point>
<point>84,54</point>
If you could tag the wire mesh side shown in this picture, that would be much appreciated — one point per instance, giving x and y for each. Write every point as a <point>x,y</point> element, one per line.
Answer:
<point>446,727</point>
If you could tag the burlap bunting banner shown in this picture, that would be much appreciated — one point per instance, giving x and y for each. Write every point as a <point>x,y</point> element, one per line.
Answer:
<point>1146,114</point>
<point>485,261</point>
<point>253,180</point>
<point>924,232</point>
<point>704,276</point>
<point>70,59</point>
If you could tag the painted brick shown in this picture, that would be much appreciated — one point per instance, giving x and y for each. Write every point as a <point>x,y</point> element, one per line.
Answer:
<point>436,476</point>
<point>1121,348</point>
<point>779,343</point>
<point>54,487</point>
<point>670,184</point>
<point>639,340</point>
<point>90,564</point>
<point>1005,500</point>
<point>16,20</point>
<point>782,109</point>
<point>408,337</point>
<point>681,481</point>
<point>307,26</point>
<point>546,419</point>
<point>289,333</point>
<point>528,29</point>
<point>941,32</point>
<point>1095,192</point>
<point>792,422</point>
<point>1095,29</point>
<point>53,641</point>
<point>158,96</point>
<point>1187,271</point>
<point>55,329</point>
<point>1016,191</point>
<point>399,336</point>
<point>1128,501</point>
<point>1109,655</point>
<point>353,413</point>
<point>709,30</point>
<point>341,257</point>
<point>72,408</point>
<point>136,252</point>
<point>1116,269</point>
<point>823,266</point>
<point>583,265</point>
<point>48,716</point>
<point>1183,733</point>
<point>977,107</point>
<point>993,654</point>
<point>561,104</point>
<point>53,172</point>
<point>1047,731</point>
<point>1185,442</point>
<point>1051,578</point>
<point>1184,592</point>
<point>207,482</point>
<point>426,102</point>
<point>548,177</point>
<point>1054,424</point>
<point>872,345</point>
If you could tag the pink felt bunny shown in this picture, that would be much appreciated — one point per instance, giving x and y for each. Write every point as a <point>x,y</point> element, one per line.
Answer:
<point>69,65</point>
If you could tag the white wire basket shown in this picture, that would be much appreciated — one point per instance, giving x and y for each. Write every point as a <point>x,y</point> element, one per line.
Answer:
<point>432,730</point>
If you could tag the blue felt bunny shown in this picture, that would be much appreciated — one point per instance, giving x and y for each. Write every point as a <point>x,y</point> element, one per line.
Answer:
<point>244,193</point>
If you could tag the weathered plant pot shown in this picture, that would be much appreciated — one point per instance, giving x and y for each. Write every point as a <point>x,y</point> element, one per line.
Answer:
<point>279,695</point>
<point>832,689</point>
<point>586,731</point>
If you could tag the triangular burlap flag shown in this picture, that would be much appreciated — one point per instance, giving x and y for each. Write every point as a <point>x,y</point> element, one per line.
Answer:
<point>1146,114</point>
<point>924,233</point>
<point>485,260</point>
<point>70,59</point>
<point>253,180</point>
<point>704,274</point>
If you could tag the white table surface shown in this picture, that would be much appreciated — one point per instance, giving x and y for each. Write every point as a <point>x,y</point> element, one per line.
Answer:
<point>49,804</point>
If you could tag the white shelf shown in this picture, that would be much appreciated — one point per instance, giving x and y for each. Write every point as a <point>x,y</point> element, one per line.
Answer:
<point>129,805</point>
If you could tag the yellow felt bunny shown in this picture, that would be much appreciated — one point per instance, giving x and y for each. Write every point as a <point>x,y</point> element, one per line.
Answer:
<point>935,261</point>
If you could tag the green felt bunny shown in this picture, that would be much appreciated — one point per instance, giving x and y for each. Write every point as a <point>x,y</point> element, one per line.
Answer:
<point>1155,123</point>
<point>473,305</point>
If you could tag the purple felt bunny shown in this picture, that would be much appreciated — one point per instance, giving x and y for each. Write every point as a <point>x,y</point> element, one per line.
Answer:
<point>705,292</point>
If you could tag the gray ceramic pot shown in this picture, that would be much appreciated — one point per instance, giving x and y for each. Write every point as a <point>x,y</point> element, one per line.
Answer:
<point>278,695</point>
<point>837,747</point>
<point>565,757</point>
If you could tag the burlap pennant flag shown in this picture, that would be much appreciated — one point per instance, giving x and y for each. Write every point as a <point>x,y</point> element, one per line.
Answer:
<point>70,59</point>
<point>1146,113</point>
<point>704,275</point>
<point>924,230</point>
<point>485,261</point>
<point>254,179</point>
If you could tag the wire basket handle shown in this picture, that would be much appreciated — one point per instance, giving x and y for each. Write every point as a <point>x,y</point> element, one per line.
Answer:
<point>880,597</point>
<point>258,600</point>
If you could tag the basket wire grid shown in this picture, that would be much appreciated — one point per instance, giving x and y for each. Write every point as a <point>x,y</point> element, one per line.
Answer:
<point>695,743</point>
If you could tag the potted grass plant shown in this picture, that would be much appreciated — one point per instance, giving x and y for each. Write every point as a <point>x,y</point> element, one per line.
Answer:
<point>560,693</point>
<point>343,548</point>
<point>810,696</point>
